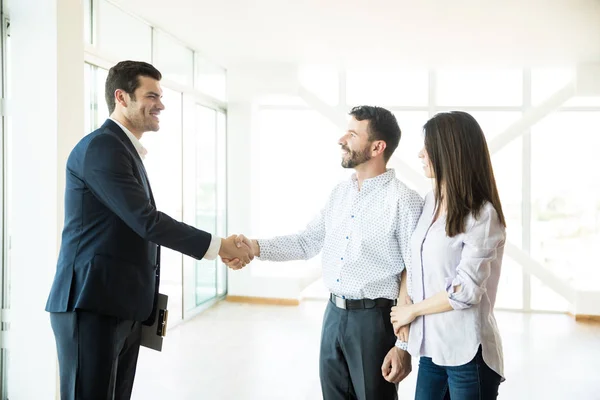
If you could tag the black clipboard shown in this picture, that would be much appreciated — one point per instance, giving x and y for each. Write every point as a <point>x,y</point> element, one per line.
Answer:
<point>152,335</point>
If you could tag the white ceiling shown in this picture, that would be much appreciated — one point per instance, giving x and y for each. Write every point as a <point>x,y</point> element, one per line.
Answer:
<point>417,32</point>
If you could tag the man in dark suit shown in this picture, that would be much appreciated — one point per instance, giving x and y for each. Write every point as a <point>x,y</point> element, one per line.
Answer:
<point>108,270</point>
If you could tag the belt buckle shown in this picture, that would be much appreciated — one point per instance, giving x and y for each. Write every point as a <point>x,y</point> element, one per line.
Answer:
<point>339,302</point>
<point>369,303</point>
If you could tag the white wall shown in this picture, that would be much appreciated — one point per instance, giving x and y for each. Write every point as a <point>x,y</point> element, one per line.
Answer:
<point>46,110</point>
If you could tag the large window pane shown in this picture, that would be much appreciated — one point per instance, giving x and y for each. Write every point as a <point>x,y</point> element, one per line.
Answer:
<point>131,41</point>
<point>565,196</point>
<point>495,122</point>
<point>221,196</point>
<point>210,78</point>
<point>387,87</point>
<point>479,87</point>
<point>96,110</point>
<point>547,81</point>
<point>173,60</point>
<point>163,164</point>
<point>205,271</point>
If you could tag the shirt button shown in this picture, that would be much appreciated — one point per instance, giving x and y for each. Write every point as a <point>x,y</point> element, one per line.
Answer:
<point>352,216</point>
<point>346,237</point>
<point>343,297</point>
<point>337,280</point>
<point>342,258</point>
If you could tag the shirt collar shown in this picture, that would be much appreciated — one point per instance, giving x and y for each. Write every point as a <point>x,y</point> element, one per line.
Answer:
<point>375,181</point>
<point>136,143</point>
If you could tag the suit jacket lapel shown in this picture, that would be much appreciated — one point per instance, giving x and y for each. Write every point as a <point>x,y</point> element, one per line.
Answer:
<point>116,129</point>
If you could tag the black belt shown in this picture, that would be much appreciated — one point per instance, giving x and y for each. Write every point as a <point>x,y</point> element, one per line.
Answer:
<point>350,304</point>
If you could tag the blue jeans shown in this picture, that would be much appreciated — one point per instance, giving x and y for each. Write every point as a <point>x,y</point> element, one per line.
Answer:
<point>472,381</point>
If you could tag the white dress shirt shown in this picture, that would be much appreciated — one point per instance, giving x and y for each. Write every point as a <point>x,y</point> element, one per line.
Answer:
<point>215,241</point>
<point>364,235</point>
<point>472,260</point>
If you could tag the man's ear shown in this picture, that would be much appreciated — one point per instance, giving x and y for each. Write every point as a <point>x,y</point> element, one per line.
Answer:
<point>378,147</point>
<point>122,97</point>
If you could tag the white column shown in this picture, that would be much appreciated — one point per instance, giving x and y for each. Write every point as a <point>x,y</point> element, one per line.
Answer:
<point>46,110</point>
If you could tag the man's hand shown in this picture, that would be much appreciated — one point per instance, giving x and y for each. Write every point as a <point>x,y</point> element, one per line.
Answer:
<point>241,240</point>
<point>235,249</point>
<point>396,365</point>
<point>403,333</point>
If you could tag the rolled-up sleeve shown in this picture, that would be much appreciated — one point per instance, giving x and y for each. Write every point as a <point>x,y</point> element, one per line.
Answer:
<point>482,239</point>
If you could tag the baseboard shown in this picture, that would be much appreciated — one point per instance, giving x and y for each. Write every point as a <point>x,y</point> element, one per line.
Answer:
<point>586,318</point>
<point>263,300</point>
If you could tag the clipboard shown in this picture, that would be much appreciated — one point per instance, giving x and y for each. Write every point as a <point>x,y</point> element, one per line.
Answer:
<point>152,335</point>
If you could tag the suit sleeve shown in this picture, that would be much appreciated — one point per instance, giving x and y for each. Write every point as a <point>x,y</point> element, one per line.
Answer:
<point>108,173</point>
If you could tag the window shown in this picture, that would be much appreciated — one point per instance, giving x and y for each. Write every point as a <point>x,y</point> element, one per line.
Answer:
<point>387,87</point>
<point>173,60</point>
<point>546,81</point>
<point>221,196</point>
<point>204,280</point>
<point>479,88</point>
<point>210,78</point>
<point>96,110</point>
<point>565,193</point>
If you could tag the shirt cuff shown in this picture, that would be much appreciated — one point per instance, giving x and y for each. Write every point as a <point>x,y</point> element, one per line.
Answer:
<point>401,345</point>
<point>213,248</point>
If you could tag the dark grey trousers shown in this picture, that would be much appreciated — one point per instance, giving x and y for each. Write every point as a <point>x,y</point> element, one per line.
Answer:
<point>353,346</point>
<point>97,355</point>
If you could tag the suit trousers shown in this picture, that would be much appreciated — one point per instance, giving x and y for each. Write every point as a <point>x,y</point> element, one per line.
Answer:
<point>353,346</point>
<point>97,355</point>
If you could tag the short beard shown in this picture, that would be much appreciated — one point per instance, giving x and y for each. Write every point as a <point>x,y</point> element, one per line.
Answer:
<point>356,158</point>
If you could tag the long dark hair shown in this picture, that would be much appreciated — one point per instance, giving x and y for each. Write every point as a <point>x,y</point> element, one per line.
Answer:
<point>464,178</point>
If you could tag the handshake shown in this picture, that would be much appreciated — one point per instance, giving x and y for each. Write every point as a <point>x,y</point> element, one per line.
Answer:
<point>237,251</point>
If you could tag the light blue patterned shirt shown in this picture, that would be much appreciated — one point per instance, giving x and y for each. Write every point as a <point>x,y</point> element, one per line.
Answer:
<point>364,237</point>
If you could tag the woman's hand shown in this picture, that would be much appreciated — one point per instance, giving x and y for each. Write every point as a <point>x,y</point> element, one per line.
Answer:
<point>401,317</point>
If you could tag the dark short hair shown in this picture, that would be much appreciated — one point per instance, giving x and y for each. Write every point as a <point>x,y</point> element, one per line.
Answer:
<point>125,76</point>
<point>382,126</point>
<point>462,167</point>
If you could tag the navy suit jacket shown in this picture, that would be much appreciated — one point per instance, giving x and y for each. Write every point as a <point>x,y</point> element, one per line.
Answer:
<point>109,260</point>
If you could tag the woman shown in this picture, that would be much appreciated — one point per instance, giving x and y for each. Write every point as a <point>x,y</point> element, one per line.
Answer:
<point>457,250</point>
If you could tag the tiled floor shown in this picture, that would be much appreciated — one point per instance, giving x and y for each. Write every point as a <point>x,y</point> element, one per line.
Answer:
<point>252,352</point>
